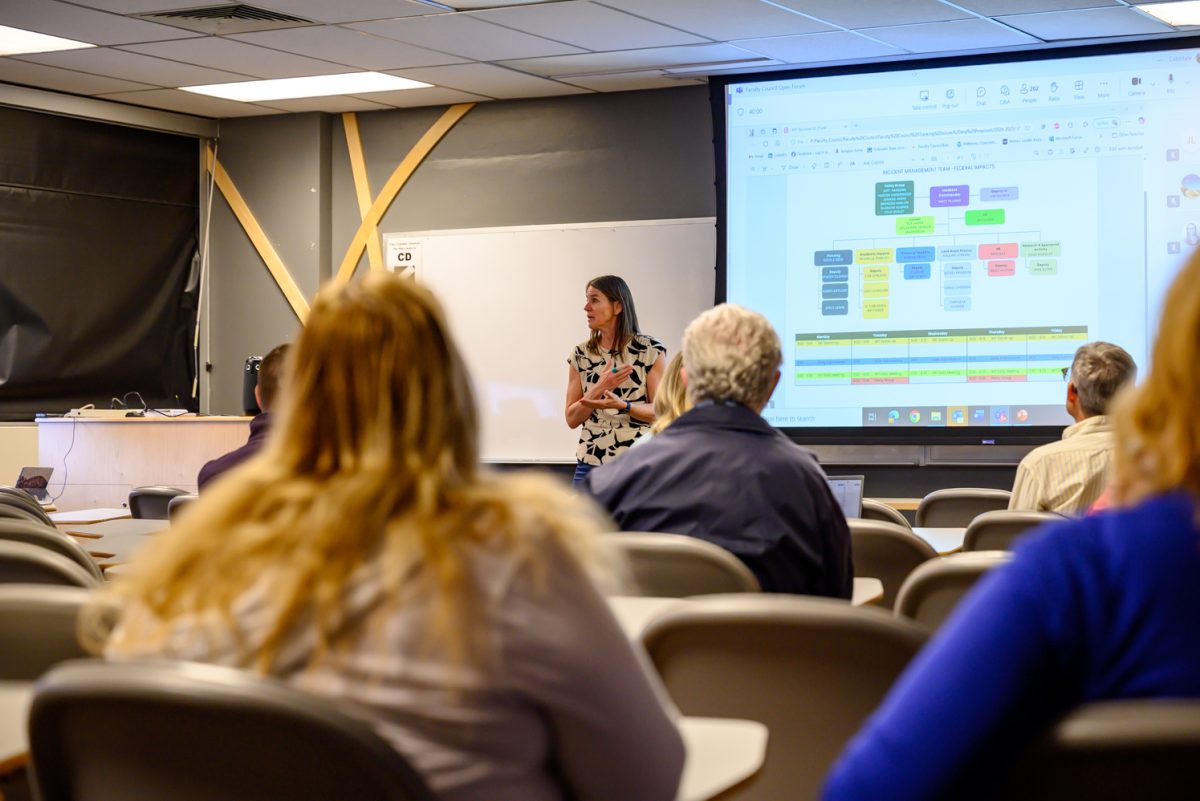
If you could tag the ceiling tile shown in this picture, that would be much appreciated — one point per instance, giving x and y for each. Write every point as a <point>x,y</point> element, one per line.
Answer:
<point>467,36</point>
<point>875,13</point>
<point>490,80</point>
<point>330,105</point>
<point>994,8</point>
<point>83,24</point>
<point>959,34</point>
<point>633,81</point>
<point>352,48</point>
<point>45,77</point>
<point>411,98</point>
<point>588,25</point>
<point>722,19</point>
<point>247,59</point>
<point>813,47</point>
<point>189,103</point>
<point>142,6</point>
<point>133,67</point>
<point>650,58</point>
<point>344,11</point>
<point>466,5</point>
<point>1086,23</point>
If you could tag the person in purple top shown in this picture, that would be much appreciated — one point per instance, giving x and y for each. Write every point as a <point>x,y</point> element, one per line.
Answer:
<point>269,372</point>
<point>1101,608</point>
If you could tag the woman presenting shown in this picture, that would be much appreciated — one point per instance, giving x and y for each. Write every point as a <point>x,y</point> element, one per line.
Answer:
<point>612,376</point>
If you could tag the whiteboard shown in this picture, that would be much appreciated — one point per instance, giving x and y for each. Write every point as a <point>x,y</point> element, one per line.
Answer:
<point>514,299</point>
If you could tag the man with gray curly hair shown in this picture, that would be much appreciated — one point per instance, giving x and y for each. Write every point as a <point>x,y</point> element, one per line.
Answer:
<point>721,473</point>
<point>1068,476</point>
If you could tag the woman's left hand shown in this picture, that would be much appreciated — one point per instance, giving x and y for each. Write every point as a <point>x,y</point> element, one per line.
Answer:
<point>608,401</point>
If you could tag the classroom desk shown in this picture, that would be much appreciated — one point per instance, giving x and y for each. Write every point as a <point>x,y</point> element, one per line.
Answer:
<point>114,542</point>
<point>944,540</point>
<point>901,504</point>
<point>86,517</point>
<point>15,697</point>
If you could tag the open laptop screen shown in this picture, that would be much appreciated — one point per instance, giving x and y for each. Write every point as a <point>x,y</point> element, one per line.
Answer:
<point>848,492</point>
<point>35,480</point>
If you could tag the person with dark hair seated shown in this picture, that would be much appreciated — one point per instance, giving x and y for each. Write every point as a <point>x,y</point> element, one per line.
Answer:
<point>270,371</point>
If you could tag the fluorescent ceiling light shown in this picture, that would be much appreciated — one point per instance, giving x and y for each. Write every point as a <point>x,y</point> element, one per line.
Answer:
<point>14,41</point>
<point>1185,13</point>
<point>350,83</point>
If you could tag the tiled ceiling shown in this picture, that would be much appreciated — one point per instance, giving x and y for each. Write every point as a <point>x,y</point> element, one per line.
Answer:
<point>496,49</point>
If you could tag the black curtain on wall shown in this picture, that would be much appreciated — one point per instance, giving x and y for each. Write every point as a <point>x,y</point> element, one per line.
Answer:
<point>98,286</point>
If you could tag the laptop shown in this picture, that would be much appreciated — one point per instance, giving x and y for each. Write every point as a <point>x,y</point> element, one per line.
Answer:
<point>35,480</point>
<point>848,492</point>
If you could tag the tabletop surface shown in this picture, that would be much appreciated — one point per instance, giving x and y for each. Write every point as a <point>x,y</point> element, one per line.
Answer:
<point>943,540</point>
<point>14,710</point>
<point>83,517</point>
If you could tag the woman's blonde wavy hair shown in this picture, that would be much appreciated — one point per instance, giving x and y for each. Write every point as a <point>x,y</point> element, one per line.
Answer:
<point>373,456</point>
<point>670,399</point>
<point>1156,424</point>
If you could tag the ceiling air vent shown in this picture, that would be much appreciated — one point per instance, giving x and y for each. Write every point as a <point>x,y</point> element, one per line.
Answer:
<point>226,19</point>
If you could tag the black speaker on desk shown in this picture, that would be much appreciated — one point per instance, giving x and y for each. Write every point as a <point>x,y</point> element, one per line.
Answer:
<point>249,382</point>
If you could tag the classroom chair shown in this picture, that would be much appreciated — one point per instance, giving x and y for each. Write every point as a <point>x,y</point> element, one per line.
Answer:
<point>878,510</point>
<point>150,503</point>
<point>676,566</point>
<point>22,563</point>
<point>38,628</point>
<point>15,497</point>
<point>957,507</point>
<point>177,505</point>
<point>888,552</point>
<point>1114,751</point>
<point>107,731</point>
<point>36,534</point>
<point>810,669</point>
<point>998,529</point>
<point>17,512</point>
<point>931,591</point>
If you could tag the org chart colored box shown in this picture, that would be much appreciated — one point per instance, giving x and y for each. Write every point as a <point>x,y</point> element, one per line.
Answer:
<point>835,273</point>
<point>876,273</point>
<point>958,283</point>
<point>873,256</point>
<point>957,195</point>
<point>835,290</point>
<point>1007,250</point>
<point>951,252</point>
<point>953,291</point>
<point>999,268</point>
<point>956,268</point>
<point>1043,266</point>
<point>875,289</point>
<point>1037,249</point>
<point>833,308</point>
<point>893,197</point>
<point>999,193</point>
<point>874,309</point>
<point>984,217</point>
<point>824,257</point>
<point>957,304</point>
<point>914,272</point>
<point>914,225</point>
<point>914,254</point>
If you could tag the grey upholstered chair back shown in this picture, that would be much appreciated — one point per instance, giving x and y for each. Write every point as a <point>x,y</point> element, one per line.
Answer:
<point>36,534</point>
<point>810,669</point>
<point>932,591</point>
<point>15,497</point>
<point>1114,751</point>
<point>878,510</point>
<point>38,628</point>
<point>887,552</point>
<point>177,505</point>
<point>22,563</point>
<point>15,511</point>
<point>998,530</point>
<point>150,503</point>
<point>676,566</point>
<point>957,507</point>
<point>188,732</point>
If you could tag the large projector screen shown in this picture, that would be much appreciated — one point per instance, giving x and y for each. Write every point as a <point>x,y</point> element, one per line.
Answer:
<point>933,240</point>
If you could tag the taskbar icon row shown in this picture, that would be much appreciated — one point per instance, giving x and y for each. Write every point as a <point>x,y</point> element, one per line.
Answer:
<point>937,416</point>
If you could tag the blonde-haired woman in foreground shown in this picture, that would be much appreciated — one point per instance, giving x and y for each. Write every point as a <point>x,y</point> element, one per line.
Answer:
<point>1100,608</point>
<point>364,556</point>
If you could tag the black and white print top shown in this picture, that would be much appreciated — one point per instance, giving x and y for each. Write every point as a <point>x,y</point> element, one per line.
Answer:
<point>607,432</point>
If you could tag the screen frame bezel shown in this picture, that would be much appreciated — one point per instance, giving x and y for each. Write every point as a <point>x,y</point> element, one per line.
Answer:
<point>863,435</point>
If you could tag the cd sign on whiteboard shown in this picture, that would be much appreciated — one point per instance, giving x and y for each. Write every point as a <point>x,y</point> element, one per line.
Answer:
<point>403,257</point>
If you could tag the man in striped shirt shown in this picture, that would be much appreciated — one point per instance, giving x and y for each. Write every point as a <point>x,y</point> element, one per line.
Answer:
<point>1068,476</point>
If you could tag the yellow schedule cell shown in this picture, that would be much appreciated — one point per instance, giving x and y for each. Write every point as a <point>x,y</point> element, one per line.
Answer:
<point>878,289</point>
<point>875,309</point>
<point>876,273</point>
<point>873,256</point>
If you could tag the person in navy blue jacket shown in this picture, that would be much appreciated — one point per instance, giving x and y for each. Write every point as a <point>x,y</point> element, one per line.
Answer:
<point>1107,607</point>
<point>270,370</point>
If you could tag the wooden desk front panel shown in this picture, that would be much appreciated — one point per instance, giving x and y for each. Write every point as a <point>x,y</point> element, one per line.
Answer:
<point>111,457</point>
